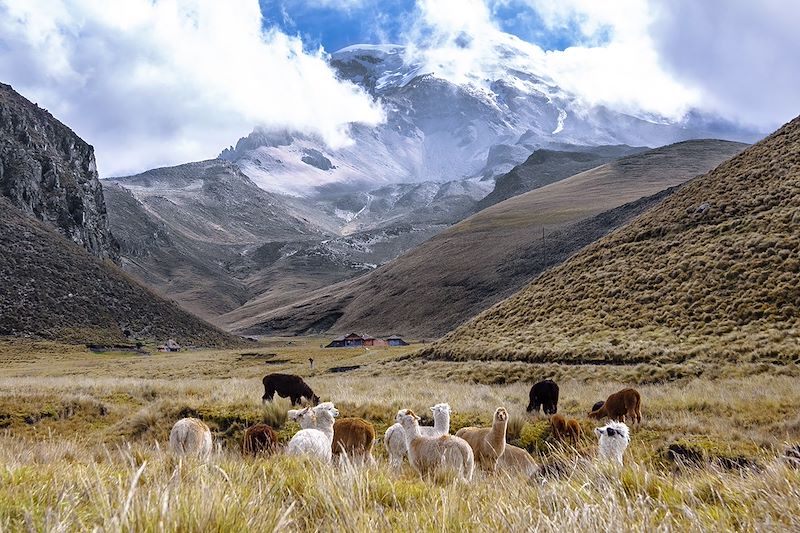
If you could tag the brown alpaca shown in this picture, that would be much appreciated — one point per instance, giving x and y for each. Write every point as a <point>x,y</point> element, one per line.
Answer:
<point>626,402</point>
<point>516,461</point>
<point>259,439</point>
<point>487,443</point>
<point>565,428</point>
<point>574,430</point>
<point>354,437</point>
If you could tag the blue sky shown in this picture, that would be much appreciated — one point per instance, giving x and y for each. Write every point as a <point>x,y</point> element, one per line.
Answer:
<point>333,26</point>
<point>160,82</point>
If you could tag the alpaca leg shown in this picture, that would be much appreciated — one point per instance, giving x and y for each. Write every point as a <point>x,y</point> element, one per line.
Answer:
<point>395,460</point>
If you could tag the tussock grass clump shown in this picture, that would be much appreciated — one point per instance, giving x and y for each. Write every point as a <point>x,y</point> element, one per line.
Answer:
<point>141,489</point>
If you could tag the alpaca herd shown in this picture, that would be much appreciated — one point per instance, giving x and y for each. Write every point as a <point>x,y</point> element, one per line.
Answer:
<point>429,448</point>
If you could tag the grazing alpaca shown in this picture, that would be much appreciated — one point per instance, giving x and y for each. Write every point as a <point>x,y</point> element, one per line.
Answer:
<point>287,385</point>
<point>354,437</point>
<point>516,461</point>
<point>614,439</point>
<point>259,439</point>
<point>190,436</point>
<point>565,428</point>
<point>574,430</point>
<point>395,437</point>
<point>315,441</point>
<point>429,454</point>
<point>543,394</point>
<point>626,402</point>
<point>487,444</point>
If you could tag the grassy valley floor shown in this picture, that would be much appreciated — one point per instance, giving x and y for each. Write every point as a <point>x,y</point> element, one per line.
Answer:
<point>83,438</point>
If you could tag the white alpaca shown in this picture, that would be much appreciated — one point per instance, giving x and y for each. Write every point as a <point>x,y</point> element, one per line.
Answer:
<point>429,454</point>
<point>395,437</point>
<point>614,438</point>
<point>190,436</point>
<point>316,440</point>
<point>305,417</point>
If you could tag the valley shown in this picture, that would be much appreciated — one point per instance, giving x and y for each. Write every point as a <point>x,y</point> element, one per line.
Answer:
<point>316,266</point>
<point>489,255</point>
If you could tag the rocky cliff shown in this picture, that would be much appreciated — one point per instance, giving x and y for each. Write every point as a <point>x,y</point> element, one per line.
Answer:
<point>49,173</point>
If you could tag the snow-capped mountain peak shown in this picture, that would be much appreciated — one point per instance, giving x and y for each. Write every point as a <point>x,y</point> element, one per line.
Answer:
<point>502,105</point>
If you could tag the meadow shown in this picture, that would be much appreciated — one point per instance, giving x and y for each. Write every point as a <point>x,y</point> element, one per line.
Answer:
<point>83,444</point>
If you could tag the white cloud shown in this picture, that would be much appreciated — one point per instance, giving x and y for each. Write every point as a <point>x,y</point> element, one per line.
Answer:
<point>743,56</point>
<point>165,82</point>
<point>734,58</point>
<point>459,40</point>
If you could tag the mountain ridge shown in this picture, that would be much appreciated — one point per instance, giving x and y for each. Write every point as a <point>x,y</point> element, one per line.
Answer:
<point>457,273</point>
<point>50,173</point>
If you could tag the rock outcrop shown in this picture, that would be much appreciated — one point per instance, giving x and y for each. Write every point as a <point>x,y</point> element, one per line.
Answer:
<point>49,173</point>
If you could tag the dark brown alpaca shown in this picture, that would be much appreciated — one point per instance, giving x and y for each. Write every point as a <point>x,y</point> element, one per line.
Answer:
<point>288,385</point>
<point>626,402</point>
<point>259,439</point>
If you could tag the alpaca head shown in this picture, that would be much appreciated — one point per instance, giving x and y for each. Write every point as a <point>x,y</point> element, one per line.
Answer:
<point>325,414</point>
<point>595,414</point>
<point>406,418</point>
<point>597,405</point>
<point>501,415</point>
<point>613,440</point>
<point>305,417</point>
<point>326,407</point>
<point>441,409</point>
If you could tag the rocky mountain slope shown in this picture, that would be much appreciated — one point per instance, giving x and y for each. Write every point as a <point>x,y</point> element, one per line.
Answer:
<point>710,274</point>
<point>187,230</point>
<point>50,174</point>
<point>53,288</point>
<point>206,236</point>
<point>486,257</point>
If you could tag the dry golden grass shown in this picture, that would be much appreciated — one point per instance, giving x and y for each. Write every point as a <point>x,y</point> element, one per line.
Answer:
<point>82,439</point>
<point>673,285</point>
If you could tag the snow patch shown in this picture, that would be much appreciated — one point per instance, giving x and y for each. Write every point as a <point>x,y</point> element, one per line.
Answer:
<point>562,116</point>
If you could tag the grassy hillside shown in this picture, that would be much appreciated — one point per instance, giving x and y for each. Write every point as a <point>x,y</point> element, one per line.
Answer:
<point>712,273</point>
<point>52,288</point>
<point>487,257</point>
<point>549,166</point>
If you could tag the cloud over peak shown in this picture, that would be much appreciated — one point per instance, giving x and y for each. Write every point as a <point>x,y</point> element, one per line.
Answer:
<point>155,83</point>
